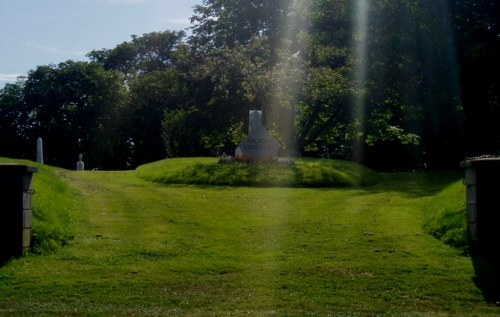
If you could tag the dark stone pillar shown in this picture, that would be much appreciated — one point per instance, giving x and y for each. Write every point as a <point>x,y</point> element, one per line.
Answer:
<point>16,209</point>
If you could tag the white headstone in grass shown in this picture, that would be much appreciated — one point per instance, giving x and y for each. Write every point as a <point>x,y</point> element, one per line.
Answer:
<point>260,145</point>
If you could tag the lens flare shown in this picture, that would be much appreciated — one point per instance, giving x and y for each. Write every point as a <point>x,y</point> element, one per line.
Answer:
<point>360,44</point>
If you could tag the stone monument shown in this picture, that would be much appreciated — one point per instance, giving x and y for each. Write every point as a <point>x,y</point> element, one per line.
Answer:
<point>80,166</point>
<point>260,145</point>
<point>39,150</point>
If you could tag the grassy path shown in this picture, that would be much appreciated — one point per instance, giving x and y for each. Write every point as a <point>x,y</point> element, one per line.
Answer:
<point>144,249</point>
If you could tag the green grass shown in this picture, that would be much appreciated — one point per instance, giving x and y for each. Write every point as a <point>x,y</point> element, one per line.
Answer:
<point>149,249</point>
<point>446,217</point>
<point>55,205</point>
<point>303,173</point>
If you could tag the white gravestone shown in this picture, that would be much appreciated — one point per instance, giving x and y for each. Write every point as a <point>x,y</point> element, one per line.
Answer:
<point>260,145</point>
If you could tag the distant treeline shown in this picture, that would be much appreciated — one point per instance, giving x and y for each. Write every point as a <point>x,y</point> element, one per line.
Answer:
<point>392,84</point>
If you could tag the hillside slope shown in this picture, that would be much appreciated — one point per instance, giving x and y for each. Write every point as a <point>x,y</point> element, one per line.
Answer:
<point>300,172</point>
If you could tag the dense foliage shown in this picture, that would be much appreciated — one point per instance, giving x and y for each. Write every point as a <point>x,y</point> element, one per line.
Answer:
<point>385,83</point>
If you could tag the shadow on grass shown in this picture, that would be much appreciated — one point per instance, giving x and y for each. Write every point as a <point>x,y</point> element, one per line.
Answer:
<point>411,184</point>
<point>414,184</point>
<point>4,260</point>
<point>485,251</point>
<point>487,279</point>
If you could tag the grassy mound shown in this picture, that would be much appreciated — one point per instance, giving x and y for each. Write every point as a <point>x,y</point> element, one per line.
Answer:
<point>302,173</point>
<point>54,205</point>
<point>446,216</point>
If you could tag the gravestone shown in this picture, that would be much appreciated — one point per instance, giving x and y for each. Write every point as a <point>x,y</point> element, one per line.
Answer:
<point>260,145</point>
<point>39,150</point>
<point>80,166</point>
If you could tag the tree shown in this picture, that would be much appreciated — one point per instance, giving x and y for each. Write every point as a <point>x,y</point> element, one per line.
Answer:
<point>150,52</point>
<point>477,33</point>
<point>227,23</point>
<point>75,107</point>
<point>323,110</point>
<point>14,118</point>
<point>149,97</point>
<point>155,67</point>
<point>252,52</point>
<point>412,114</point>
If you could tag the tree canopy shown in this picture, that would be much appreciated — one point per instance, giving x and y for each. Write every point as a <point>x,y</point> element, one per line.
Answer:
<point>392,84</point>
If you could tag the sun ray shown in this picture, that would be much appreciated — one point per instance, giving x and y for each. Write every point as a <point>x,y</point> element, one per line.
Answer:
<point>360,43</point>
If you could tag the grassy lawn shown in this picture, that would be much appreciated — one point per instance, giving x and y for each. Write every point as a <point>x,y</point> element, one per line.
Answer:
<point>149,249</point>
<point>302,172</point>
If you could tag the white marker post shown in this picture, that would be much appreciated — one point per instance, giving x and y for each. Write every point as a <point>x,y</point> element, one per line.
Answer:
<point>39,150</point>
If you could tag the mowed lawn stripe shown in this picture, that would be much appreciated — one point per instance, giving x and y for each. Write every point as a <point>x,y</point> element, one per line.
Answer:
<point>148,249</point>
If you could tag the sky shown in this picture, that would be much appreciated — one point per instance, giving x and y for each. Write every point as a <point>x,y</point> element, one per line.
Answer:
<point>43,32</point>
